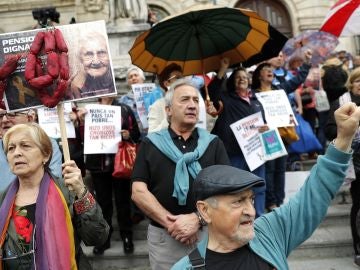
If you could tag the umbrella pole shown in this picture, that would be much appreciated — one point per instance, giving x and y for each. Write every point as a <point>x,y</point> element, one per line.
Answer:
<point>208,104</point>
<point>213,113</point>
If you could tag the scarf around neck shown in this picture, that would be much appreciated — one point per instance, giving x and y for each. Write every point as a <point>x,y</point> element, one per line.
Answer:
<point>55,248</point>
<point>185,163</point>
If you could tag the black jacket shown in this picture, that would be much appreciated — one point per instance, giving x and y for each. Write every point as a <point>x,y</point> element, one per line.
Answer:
<point>235,108</point>
<point>331,130</point>
<point>105,162</point>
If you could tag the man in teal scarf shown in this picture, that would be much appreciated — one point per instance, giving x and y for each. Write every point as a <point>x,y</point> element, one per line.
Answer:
<point>165,168</point>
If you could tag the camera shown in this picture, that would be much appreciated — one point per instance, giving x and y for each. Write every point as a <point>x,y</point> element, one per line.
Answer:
<point>42,15</point>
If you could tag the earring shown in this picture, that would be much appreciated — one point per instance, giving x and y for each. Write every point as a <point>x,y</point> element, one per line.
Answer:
<point>44,162</point>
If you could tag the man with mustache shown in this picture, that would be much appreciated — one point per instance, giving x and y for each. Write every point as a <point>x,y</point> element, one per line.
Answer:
<point>165,168</point>
<point>225,201</point>
<point>96,77</point>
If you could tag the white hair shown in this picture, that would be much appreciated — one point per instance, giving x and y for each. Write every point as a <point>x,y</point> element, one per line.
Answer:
<point>139,70</point>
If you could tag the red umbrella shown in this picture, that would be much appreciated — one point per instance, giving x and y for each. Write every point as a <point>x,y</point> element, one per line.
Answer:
<point>343,19</point>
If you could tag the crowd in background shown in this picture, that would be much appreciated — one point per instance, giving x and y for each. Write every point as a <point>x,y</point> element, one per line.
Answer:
<point>338,76</point>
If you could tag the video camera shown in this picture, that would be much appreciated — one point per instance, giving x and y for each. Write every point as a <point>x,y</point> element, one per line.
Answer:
<point>42,15</point>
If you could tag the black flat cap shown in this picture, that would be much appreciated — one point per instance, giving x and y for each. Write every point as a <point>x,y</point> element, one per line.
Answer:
<point>223,179</point>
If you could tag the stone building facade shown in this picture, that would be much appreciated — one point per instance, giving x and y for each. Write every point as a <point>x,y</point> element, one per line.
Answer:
<point>289,16</point>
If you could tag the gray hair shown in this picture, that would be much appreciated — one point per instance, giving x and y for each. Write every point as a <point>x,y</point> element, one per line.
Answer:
<point>139,70</point>
<point>212,201</point>
<point>170,93</point>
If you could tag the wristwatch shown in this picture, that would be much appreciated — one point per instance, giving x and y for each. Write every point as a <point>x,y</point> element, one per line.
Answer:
<point>202,221</point>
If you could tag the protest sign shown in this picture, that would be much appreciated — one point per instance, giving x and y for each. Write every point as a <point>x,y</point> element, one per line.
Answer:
<point>140,90</point>
<point>247,135</point>
<point>90,65</point>
<point>273,145</point>
<point>102,129</point>
<point>49,121</point>
<point>277,108</point>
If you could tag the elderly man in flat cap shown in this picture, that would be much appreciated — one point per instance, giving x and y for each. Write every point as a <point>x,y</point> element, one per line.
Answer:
<point>224,200</point>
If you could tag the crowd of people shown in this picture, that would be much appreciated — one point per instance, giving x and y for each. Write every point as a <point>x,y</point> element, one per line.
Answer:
<point>191,181</point>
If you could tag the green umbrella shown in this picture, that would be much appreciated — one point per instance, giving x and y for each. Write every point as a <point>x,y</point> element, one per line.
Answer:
<point>197,40</point>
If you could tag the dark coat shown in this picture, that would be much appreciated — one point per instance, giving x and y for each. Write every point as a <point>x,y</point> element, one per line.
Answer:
<point>105,162</point>
<point>235,108</point>
<point>331,130</point>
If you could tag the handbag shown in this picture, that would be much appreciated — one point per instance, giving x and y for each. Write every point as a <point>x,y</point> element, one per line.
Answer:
<point>124,160</point>
<point>308,141</point>
<point>306,98</point>
<point>288,134</point>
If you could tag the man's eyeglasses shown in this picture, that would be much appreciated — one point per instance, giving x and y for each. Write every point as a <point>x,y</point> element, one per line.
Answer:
<point>11,115</point>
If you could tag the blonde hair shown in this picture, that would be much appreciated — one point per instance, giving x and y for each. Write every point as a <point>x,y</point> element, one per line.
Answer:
<point>36,134</point>
<point>354,75</point>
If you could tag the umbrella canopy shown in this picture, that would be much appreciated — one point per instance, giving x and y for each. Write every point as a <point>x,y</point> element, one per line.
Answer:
<point>321,44</point>
<point>343,19</point>
<point>197,40</point>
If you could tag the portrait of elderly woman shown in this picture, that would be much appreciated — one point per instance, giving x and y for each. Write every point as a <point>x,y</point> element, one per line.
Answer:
<point>94,76</point>
<point>36,202</point>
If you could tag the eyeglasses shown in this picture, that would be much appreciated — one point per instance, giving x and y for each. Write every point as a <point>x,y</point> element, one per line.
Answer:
<point>175,77</point>
<point>11,115</point>
<point>90,55</point>
<point>268,69</point>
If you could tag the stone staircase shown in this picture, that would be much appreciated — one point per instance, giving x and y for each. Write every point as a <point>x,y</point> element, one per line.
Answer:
<point>115,258</point>
<point>330,244</point>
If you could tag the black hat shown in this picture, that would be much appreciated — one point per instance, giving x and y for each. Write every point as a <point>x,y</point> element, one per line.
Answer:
<point>223,179</point>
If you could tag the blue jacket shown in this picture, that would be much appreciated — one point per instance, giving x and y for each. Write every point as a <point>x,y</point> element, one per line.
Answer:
<point>284,229</point>
<point>291,83</point>
<point>7,176</point>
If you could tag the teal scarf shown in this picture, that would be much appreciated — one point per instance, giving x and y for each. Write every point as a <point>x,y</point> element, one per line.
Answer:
<point>185,163</point>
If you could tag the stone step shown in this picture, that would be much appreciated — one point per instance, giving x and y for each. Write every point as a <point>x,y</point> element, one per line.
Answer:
<point>330,241</point>
<point>114,258</point>
<point>337,215</point>
<point>294,180</point>
<point>139,230</point>
<point>305,165</point>
<point>330,263</point>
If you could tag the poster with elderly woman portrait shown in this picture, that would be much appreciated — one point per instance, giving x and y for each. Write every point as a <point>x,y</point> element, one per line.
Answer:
<point>90,66</point>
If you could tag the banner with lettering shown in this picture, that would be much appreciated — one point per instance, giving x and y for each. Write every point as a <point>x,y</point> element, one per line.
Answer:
<point>277,108</point>
<point>49,121</point>
<point>90,65</point>
<point>140,90</point>
<point>247,135</point>
<point>102,129</point>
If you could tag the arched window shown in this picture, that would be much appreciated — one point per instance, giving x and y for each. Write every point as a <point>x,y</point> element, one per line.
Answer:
<point>273,11</point>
